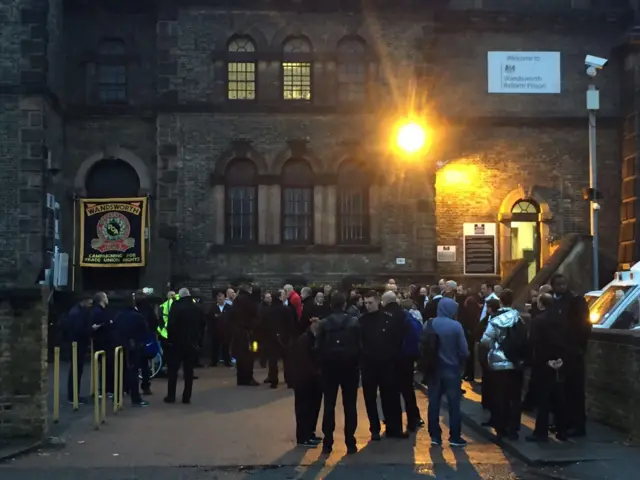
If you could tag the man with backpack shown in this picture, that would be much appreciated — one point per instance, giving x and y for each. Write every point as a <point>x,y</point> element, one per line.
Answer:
<point>338,343</point>
<point>506,338</point>
<point>444,352</point>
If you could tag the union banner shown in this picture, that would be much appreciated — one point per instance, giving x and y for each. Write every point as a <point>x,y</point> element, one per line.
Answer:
<point>112,232</point>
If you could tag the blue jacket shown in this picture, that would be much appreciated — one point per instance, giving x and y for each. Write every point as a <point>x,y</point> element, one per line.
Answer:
<point>130,329</point>
<point>78,324</point>
<point>102,336</point>
<point>453,350</point>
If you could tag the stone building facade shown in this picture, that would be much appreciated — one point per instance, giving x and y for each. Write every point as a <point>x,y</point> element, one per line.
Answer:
<point>262,134</point>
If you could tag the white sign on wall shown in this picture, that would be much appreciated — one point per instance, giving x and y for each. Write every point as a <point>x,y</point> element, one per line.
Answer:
<point>524,72</point>
<point>446,253</point>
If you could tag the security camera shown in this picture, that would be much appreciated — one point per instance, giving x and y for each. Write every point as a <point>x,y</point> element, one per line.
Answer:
<point>594,64</point>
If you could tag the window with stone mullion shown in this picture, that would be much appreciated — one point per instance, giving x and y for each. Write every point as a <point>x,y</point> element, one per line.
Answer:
<point>297,219</point>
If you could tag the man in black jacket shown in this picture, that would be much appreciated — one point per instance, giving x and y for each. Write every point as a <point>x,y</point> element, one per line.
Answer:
<point>218,334</point>
<point>305,373</point>
<point>548,341</point>
<point>380,337</point>
<point>102,325</point>
<point>572,312</point>
<point>131,330</point>
<point>338,342</point>
<point>243,316</point>
<point>431,309</point>
<point>278,326</point>
<point>184,325</point>
<point>79,329</point>
<point>394,317</point>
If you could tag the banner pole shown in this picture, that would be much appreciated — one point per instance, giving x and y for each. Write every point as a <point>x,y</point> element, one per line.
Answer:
<point>149,223</point>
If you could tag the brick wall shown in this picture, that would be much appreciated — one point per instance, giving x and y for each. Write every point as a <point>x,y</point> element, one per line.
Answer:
<point>613,367</point>
<point>23,365</point>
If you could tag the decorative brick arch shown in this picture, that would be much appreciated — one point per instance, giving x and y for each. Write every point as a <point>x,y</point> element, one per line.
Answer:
<point>240,149</point>
<point>79,183</point>
<point>293,31</point>
<point>297,149</point>
<point>504,217</point>
<point>254,33</point>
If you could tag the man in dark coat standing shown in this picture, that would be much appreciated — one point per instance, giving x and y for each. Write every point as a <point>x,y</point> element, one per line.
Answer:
<point>278,327</point>
<point>572,312</point>
<point>79,331</point>
<point>102,325</point>
<point>243,316</point>
<point>184,326</point>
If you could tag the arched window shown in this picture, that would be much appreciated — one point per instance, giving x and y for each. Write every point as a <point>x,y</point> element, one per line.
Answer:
<point>297,202</point>
<point>241,69</point>
<point>525,206</point>
<point>352,70</point>
<point>241,192</point>
<point>352,205</point>
<point>297,55</point>
<point>112,71</point>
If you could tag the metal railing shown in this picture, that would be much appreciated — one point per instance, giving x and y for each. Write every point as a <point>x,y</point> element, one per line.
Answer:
<point>99,378</point>
<point>118,379</point>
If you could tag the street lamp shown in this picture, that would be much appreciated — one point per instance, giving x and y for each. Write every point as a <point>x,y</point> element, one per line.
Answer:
<point>411,137</point>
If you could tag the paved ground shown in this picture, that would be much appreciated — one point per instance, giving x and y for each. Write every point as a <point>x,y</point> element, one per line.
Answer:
<point>230,433</point>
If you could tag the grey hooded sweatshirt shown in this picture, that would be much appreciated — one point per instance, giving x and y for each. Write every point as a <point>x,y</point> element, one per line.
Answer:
<point>495,333</point>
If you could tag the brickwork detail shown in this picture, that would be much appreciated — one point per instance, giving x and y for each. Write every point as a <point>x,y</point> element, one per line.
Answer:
<point>23,366</point>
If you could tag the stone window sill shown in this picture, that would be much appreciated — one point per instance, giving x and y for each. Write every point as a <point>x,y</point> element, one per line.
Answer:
<point>295,249</point>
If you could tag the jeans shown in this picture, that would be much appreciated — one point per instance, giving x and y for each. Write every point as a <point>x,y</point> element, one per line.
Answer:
<point>507,404</point>
<point>181,356</point>
<point>446,381</point>
<point>376,377</point>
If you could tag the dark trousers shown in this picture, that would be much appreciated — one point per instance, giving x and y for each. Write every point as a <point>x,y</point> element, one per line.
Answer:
<point>487,377</point>
<point>219,345</point>
<point>507,402</point>
<point>470,365</point>
<point>244,367</point>
<point>308,398</point>
<point>404,374</point>
<point>185,357</point>
<point>277,351</point>
<point>531,397</point>
<point>83,348</point>
<point>143,364</point>
<point>346,378</point>
<point>381,377</point>
<point>550,398</point>
<point>574,391</point>
<point>130,374</point>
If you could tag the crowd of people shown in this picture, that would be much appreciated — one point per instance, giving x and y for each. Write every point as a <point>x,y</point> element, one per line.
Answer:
<point>330,340</point>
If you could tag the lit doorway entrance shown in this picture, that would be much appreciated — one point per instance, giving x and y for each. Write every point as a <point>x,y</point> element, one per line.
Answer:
<point>525,235</point>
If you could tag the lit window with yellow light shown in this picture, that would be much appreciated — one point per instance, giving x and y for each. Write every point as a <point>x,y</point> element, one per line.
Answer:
<point>296,69</point>
<point>241,69</point>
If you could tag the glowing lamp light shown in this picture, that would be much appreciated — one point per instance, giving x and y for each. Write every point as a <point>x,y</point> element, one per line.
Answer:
<point>411,137</point>
<point>594,317</point>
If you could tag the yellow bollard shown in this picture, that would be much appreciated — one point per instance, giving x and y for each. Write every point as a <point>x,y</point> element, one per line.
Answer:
<point>56,384</point>
<point>92,385</point>
<point>99,414</point>
<point>118,380</point>
<point>74,366</point>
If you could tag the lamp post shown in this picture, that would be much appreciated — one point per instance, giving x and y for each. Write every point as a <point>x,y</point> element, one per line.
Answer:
<point>594,64</point>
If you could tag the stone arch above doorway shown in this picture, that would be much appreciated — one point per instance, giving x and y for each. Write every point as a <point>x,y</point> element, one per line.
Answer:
<point>79,183</point>
<point>507,214</point>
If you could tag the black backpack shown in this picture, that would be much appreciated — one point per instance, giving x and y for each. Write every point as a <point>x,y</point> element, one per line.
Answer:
<point>340,341</point>
<point>429,348</point>
<point>514,344</point>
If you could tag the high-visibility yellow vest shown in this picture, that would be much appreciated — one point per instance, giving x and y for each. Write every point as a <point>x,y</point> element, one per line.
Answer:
<point>165,308</point>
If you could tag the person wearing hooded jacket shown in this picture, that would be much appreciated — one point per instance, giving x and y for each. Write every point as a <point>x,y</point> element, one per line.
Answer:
<point>446,380</point>
<point>507,378</point>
